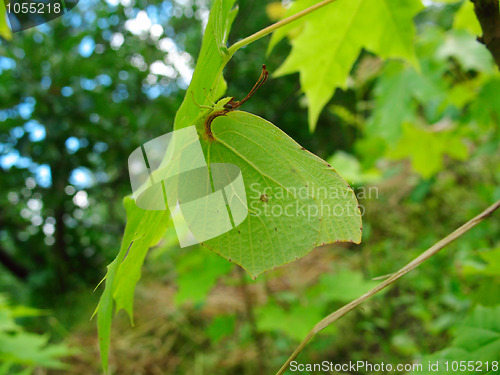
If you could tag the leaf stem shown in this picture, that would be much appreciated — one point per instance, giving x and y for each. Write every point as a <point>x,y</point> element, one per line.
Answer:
<point>325,322</point>
<point>275,26</point>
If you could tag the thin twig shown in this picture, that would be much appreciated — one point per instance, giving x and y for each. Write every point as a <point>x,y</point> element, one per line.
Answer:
<point>275,26</point>
<point>403,271</point>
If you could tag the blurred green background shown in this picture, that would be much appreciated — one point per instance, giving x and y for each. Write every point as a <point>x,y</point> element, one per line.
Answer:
<point>421,149</point>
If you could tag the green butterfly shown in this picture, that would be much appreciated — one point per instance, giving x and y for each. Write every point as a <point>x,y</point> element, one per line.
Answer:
<point>307,204</point>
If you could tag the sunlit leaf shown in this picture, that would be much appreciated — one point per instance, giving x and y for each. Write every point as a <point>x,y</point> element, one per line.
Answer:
<point>4,27</point>
<point>292,29</point>
<point>208,84</point>
<point>341,30</point>
<point>471,54</point>
<point>466,19</point>
<point>144,229</point>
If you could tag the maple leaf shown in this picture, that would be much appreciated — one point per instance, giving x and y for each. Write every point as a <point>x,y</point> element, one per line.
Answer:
<point>341,30</point>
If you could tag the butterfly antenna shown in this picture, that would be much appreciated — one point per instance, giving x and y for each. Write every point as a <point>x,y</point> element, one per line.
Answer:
<point>262,79</point>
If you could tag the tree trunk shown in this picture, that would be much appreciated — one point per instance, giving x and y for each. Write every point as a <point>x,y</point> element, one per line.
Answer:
<point>488,15</point>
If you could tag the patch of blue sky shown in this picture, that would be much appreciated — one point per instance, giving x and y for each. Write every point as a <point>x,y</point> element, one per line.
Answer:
<point>10,159</point>
<point>72,144</point>
<point>113,2</point>
<point>43,175</point>
<point>45,82</point>
<point>81,178</point>
<point>104,79</point>
<point>66,91</point>
<point>100,147</point>
<point>26,108</point>
<point>36,131</point>
<point>6,63</point>
<point>72,19</point>
<point>17,132</point>
<point>86,46</point>
<point>88,84</point>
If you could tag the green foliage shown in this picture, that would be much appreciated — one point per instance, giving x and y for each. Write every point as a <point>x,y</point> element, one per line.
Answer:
<point>349,167</point>
<point>221,326</point>
<point>486,107</point>
<point>492,259</point>
<point>144,229</point>
<point>256,146</point>
<point>477,339</point>
<point>469,53</point>
<point>207,84</point>
<point>21,351</point>
<point>465,18</point>
<point>439,113</point>
<point>262,242</point>
<point>342,286</point>
<point>52,96</point>
<point>295,321</point>
<point>4,27</point>
<point>482,273</point>
<point>426,149</point>
<point>198,273</point>
<point>391,36</point>
<point>393,97</point>
<point>408,101</point>
<point>296,316</point>
<point>489,265</point>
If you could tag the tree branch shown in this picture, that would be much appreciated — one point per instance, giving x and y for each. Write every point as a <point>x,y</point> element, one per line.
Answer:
<point>488,15</point>
<point>403,271</point>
